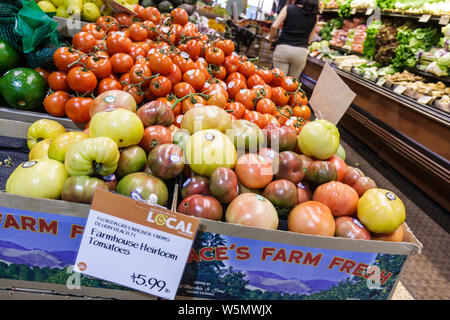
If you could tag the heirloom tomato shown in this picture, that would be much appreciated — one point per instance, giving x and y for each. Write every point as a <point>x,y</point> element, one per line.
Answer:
<point>319,138</point>
<point>224,184</point>
<point>201,206</point>
<point>43,129</point>
<point>339,197</point>
<point>144,186</point>
<point>81,189</point>
<point>312,217</point>
<point>58,147</point>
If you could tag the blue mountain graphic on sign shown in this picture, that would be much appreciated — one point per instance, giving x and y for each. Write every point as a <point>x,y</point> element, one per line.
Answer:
<point>11,252</point>
<point>268,281</point>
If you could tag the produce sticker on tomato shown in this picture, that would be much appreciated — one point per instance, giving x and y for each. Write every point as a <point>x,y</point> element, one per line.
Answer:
<point>135,244</point>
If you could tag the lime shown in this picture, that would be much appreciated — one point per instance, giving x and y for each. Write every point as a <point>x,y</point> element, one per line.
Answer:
<point>23,88</point>
<point>9,57</point>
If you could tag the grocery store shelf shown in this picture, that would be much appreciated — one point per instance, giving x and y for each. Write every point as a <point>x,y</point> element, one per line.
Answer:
<point>385,14</point>
<point>411,137</point>
<point>32,116</point>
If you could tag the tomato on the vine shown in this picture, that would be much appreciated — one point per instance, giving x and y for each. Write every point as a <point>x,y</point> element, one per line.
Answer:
<point>123,18</point>
<point>255,80</point>
<point>214,55</point>
<point>231,64</point>
<point>283,114</point>
<point>101,66</point>
<point>95,30</point>
<point>54,103</point>
<point>220,72</point>
<point>302,112</point>
<point>266,75</point>
<point>77,109</point>
<point>277,77</point>
<point>297,99</point>
<point>179,16</point>
<point>81,80</point>
<point>64,58</point>
<point>236,109</point>
<point>247,68</point>
<point>266,105</point>
<point>139,73</point>
<point>135,92</point>
<point>279,96</point>
<point>121,62</point>
<point>107,23</point>
<point>182,89</point>
<point>107,84</point>
<point>160,63</point>
<point>234,86</point>
<point>160,86</point>
<point>84,41</point>
<point>195,78</point>
<point>152,14</point>
<point>190,102</point>
<point>255,117</point>
<point>226,45</point>
<point>290,84</point>
<point>57,81</point>
<point>295,123</point>
<point>247,97</point>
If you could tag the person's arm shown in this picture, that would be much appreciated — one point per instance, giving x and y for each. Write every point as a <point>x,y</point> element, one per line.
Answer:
<point>276,25</point>
<point>313,31</point>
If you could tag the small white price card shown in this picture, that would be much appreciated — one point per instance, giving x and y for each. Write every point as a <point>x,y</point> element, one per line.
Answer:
<point>424,99</point>
<point>135,244</point>
<point>369,11</point>
<point>353,11</point>
<point>444,19</point>
<point>381,81</point>
<point>425,18</point>
<point>400,89</point>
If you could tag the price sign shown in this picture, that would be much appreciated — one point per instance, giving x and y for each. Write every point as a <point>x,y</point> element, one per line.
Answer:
<point>425,18</point>
<point>135,244</point>
<point>369,11</point>
<point>444,19</point>
<point>424,99</point>
<point>353,11</point>
<point>381,81</point>
<point>400,89</point>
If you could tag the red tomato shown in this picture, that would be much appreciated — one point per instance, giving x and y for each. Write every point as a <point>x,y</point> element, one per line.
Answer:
<point>178,120</point>
<point>179,16</point>
<point>155,136</point>
<point>277,77</point>
<point>265,105</point>
<point>152,14</point>
<point>266,75</point>
<point>160,86</point>
<point>121,62</point>
<point>236,76</point>
<point>236,109</point>
<point>214,55</point>
<point>217,98</point>
<point>81,81</point>
<point>44,73</point>
<point>290,84</point>
<point>298,99</point>
<point>118,42</point>
<point>351,228</point>
<point>160,63</point>
<point>247,97</point>
<point>107,84</point>
<point>124,19</point>
<point>255,117</point>
<point>182,89</point>
<point>107,23</point>
<point>134,91</point>
<point>220,72</point>
<point>64,58</point>
<point>303,192</point>
<point>247,68</point>
<point>252,210</point>
<point>137,32</point>
<point>190,102</point>
<point>234,86</point>
<point>226,45</point>
<point>253,171</point>
<point>231,64</point>
<point>312,217</point>
<point>54,103</point>
<point>137,52</point>
<point>340,165</point>
<point>302,112</point>
<point>84,41</point>
<point>77,109</point>
<point>95,30</point>
<point>195,78</point>
<point>101,66</point>
<point>139,73</point>
<point>184,62</point>
<point>340,198</point>
<point>279,96</point>
<point>201,206</point>
<point>397,236</point>
<point>174,75</point>
<point>57,81</point>
<point>255,80</point>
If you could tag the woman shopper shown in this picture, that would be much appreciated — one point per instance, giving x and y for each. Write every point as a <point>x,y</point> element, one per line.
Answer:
<point>299,23</point>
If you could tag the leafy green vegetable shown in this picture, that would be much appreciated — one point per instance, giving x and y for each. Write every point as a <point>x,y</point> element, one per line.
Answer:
<point>344,8</point>
<point>370,41</point>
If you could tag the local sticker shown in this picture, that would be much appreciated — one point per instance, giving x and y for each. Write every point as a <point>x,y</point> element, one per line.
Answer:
<point>135,195</point>
<point>152,199</point>
<point>109,99</point>
<point>29,164</point>
<point>209,136</point>
<point>174,158</point>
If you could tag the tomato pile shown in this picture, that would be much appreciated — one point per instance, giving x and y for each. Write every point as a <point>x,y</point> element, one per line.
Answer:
<point>156,56</point>
<point>162,102</point>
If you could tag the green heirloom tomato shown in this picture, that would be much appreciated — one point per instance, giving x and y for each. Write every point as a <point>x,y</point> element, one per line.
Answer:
<point>43,129</point>
<point>132,159</point>
<point>380,211</point>
<point>58,148</point>
<point>92,156</point>
<point>207,150</point>
<point>81,189</point>
<point>121,125</point>
<point>166,161</point>
<point>341,152</point>
<point>205,117</point>
<point>319,138</point>
<point>40,178</point>
<point>245,135</point>
<point>180,138</point>
<point>144,186</point>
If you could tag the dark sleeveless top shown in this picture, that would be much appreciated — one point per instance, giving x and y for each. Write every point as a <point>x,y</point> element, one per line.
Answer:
<point>297,27</point>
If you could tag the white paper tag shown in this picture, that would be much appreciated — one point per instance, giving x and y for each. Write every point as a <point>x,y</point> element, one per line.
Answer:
<point>444,19</point>
<point>400,89</point>
<point>381,81</point>
<point>353,11</point>
<point>143,249</point>
<point>424,99</point>
<point>369,11</point>
<point>425,18</point>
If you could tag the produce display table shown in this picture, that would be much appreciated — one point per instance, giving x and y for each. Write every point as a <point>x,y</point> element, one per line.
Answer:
<point>411,137</point>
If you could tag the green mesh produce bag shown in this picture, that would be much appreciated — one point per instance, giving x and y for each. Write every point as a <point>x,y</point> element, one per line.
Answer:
<point>31,31</point>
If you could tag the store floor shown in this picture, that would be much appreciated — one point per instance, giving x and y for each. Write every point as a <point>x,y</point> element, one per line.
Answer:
<point>426,276</point>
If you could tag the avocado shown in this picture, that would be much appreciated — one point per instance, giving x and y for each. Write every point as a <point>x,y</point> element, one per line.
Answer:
<point>149,3</point>
<point>23,88</point>
<point>189,8</point>
<point>165,6</point>
<point>176,3</point>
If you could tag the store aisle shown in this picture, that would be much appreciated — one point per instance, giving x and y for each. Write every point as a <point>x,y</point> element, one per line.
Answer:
<point>426,276</point>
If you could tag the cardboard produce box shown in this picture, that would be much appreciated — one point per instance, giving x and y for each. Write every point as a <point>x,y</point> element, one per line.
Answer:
<point>39,240</point>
